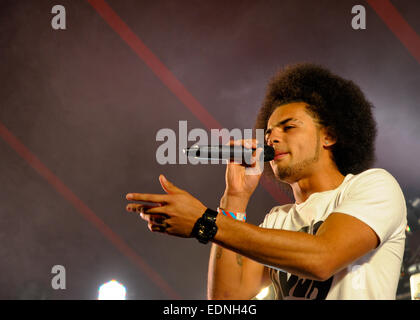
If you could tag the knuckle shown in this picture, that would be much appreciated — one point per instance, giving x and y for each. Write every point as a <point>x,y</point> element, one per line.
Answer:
<point>157,219</point>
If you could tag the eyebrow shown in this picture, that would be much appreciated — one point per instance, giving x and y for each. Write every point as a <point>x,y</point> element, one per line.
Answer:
<point>282,122</point>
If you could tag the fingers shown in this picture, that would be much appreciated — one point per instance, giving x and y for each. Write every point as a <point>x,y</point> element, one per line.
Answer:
<point>147,197</point>
<point>155,219</point>
<point>154,214</point>
<point>257,166</point>
<point>257,156</point>
<point>156,222</point>
<point>247,143</point>
<point>168,186</point>
<point>145,210</point>
<point>249,160</point>
<point>134,207</point>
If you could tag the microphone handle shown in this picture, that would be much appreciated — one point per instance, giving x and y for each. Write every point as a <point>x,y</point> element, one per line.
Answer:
<point>235,153</point>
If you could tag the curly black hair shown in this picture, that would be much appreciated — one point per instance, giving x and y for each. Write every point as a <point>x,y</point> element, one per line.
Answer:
<point>338,105</point>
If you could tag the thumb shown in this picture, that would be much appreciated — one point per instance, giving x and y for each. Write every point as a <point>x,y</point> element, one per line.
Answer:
<point>169,187</point>
<point>257,167</point>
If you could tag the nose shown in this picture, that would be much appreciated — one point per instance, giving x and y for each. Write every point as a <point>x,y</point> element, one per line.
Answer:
<point>274,136</point>
<point>272,140</point>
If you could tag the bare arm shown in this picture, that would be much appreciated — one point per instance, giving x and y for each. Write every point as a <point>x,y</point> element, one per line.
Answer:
<point>230,275</point>
<point>340,240</point>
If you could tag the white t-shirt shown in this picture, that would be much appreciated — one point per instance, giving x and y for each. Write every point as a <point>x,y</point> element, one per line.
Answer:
<point>373,197</point>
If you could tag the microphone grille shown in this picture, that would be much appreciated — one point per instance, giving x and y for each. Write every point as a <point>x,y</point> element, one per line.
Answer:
<point>268,153</point>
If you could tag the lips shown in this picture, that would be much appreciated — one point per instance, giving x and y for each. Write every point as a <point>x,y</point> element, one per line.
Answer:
<point>279,155</point>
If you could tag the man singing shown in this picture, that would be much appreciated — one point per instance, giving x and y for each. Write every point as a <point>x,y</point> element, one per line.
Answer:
<point>342,238</point>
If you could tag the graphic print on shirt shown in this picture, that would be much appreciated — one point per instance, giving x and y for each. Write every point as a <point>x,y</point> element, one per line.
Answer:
<point>289,286</point>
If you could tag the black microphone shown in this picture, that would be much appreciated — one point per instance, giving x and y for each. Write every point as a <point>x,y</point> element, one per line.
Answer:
<point>223,152</point>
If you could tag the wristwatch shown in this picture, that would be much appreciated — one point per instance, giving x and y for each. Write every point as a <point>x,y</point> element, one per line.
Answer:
<point>205,228</point>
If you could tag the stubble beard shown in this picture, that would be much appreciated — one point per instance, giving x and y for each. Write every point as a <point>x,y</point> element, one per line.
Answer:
<point>295,172</point>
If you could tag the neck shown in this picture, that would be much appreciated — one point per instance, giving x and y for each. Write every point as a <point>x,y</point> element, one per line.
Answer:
<point>320,180</point>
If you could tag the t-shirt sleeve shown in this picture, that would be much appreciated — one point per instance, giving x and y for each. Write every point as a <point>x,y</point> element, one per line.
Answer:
<point>275,218</point>
<point>375,198</point>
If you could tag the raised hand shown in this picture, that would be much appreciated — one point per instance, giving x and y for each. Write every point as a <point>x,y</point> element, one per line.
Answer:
<point>174,213</point>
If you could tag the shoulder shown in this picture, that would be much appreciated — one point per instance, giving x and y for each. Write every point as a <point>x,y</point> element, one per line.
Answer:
<point>377,179</point>
<point>375,173</point>
<point>375,197</point>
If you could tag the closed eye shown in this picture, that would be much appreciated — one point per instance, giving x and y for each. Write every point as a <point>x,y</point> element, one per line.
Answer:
<point>285,128</point>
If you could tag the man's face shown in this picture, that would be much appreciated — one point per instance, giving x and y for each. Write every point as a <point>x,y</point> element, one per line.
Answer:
<point>295,136</point>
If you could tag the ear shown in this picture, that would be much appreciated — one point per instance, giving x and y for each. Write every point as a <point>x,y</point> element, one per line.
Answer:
<point>328,138</point>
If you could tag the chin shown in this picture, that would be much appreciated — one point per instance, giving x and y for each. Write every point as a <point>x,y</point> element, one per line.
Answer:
<point>283,175</point>
<point>287,174</point>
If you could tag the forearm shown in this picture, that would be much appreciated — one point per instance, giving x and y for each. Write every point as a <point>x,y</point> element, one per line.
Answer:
<point>225,266</point>
<point>225,274</point>
<point>295,252</point>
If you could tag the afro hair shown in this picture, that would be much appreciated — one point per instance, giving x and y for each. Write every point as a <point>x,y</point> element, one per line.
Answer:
<point>337,104</point>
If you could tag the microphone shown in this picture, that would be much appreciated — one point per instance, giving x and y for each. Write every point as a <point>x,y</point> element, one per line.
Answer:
<point>223,152</point>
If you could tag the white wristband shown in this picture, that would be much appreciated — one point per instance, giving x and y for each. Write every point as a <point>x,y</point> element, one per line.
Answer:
<point>241,216</point>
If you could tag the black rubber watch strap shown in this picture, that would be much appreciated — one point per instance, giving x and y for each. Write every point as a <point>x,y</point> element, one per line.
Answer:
<point>205,227</point>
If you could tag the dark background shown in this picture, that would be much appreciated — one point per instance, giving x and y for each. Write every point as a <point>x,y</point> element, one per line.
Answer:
<point>88,108</point>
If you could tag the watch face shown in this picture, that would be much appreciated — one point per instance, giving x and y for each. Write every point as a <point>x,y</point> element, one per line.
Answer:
<point>206,229</point>
<point>208,223</point>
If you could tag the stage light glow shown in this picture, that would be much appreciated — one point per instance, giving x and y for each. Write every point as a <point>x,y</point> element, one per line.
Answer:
<point>112,290</point>
<point>415,286</point>
<point>263,293</point>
